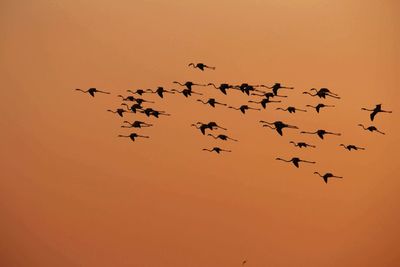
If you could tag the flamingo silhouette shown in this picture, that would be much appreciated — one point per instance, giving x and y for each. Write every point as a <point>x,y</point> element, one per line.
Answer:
<point>276,87</point>
<point>319,106</point>
<point>320,133</point>
<point>222,137</point>
<point>264,102</point>
<point>213,125</point>
<point>119,111</point>
<point>268,94</point>
<point>301,144</point>
<point>128,98</point>
<point>278,126</point>
<point>371,128</point>
<point>133,107</point>
<point>212,102</point>
<point>322,93</point>
<point>376,110</point>
<point>326,176</point>
<point>350,147</point>
<point>296,161</point>
<point>222,87</point>
<point>141,100</point>
<point>247,88</point>
<point>243,108</point>
<point>201,66</point>
<point>216,149</point>
<point>139,91</point>
<point>291,109</point>
<point>136,124</point>
<point>202,127</point>
<point>188,84</point>
<point>160,91</point>
<point>132,136</point>
<point>151,112</point>
<point>92,91</point>
<point>186,92</point>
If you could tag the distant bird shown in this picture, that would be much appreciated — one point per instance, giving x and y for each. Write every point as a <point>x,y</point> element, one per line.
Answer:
<point>296,161</point>
<point>301,144</point>
<point>139,91</point>
<point>92,91</point>
<point>119,111</point>
<point>264,102</point>
<point>160,91</point>
<point>141,100</point>
<point>216,149</point>
<point>322,93</point>
<point>371,129</point>
<point>276,87</point>
<point>247,88</point>
<point>291,109</point>
<point>133,107</point>
<point>268,95</point>
<point>128,98</point>
<point>320,133</point>
<point>201,66</point>
<point>278,126</point>
<point>326,176</point>
<point>151,112</point>
<point>188,84</point>
<point>376,110</point>
<point>222,137</point>
<point>213,125</point>
<point>319,106</point>
<point>212,102</point>
<point>132,136</point>
<point>222,87</point>
<point>243,108</point>
<point>136,124</point>
<point>186,92</point>
<point>350,147</point>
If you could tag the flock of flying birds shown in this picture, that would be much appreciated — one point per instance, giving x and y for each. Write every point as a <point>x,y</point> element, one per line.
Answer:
<point>136,105</point>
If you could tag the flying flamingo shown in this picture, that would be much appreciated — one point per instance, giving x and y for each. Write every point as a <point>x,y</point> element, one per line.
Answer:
<point>301,144</point>
<point>278,126</point>
<point>188,84</point>
<point>139,91</point>
<point>371,129</point>
<point>151,112</point>
<point>264,102</point>
<point>136,124</point>
<point>216,149</point>
<point>212,102</point>
<point>247,88</point>
<point>201,66</point>
<point>160,91</point>
<point>202,127</point>
<point>321,133</point>
<point>222,137</point>
<point>296,161</point>
<point>291,109</point>
<point>133,107</point>
<point>350,147</point>
<point>119,111</point>
<point>132,136</point>
<point>276,87</point>
<point>186,92</point>
<point>268,94</point>
<point>243,108</point>
<point>376,110</point>
<point>322,93</point>
<point>92,91</point>
<point>326,176</point>
<point>319,106</point>
<point>213,125</point>
<point>222,87</point>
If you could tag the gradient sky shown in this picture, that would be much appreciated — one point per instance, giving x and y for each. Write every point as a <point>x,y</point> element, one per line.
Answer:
<point>73,194</point>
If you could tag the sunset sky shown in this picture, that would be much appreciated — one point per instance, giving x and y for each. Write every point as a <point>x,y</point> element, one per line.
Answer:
<point>74,194</point>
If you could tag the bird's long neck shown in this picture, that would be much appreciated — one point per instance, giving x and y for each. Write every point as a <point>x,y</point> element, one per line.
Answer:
<point>284,160</point>
<point>308,93</point>
<point>319,174</point>
<point>213,85</point>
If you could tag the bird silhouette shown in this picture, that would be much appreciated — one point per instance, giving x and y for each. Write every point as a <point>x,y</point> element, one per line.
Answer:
<point>222,137</point>
<point>291,109</point>
<point>214,125</point>
<point>322,93</point>
<point>264,102</point>
<point>371,128</point>
<point>139,91</point>
<point>151,112</point>
<point>202,127</point>
<point>128,98</point>
<point>222,87</point>
<point>186,92</point>
<point>133,107</point>
<point>376,110</point>
<point>268,94</point>
<point>136,124</point>
<point>160,91</point>
<point>188,84</point>
<point>278,126</point>
<point>92,91</point>
<point>350,147</point>
<point>201,66</point>
<point>301,144</point>
<point>319,106</point>
<point>243,108</point>
<point>141,100</point>
<point>320,133</point>
<point>296,161</point>
<point>216,149</point>
<point>276,87</point>
<point>119,111</point>
<point>132,136</point>
<point>212,102</point>
<point>247,88</point>
<point>326,176</point>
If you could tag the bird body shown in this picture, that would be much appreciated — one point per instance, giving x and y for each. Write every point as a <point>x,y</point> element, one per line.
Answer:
<point>132,136</point>
<point>319,106</point>
<point>92,91</point>
<point>376,110</point>
<point>243,108</point>
<point>278,126</point>
<point>201,66</point>
<point>216,149</point>
<point>212,102</point>
<point>296,161</point>
<point>326,176</point>
<point>301,144</point>
<point>321,133</point>
<point>222,137</point>
<point>350,147</point>
<point>371,128</point>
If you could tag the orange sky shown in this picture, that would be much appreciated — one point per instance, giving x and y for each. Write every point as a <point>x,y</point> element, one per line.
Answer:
<point>73,194</point>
